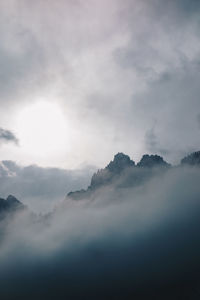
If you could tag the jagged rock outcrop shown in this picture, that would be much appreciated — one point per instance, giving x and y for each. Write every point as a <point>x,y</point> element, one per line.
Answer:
<point>123,168</point>
<point>123,164</point>
<point>120,162</point>
<point>123,172</point>
<point>105,176</point>
<point>152,161</point>
<point>192,159</point>
<point>10,205</point>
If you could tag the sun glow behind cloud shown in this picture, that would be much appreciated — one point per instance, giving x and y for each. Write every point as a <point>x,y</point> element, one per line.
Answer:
<point>42,129</point>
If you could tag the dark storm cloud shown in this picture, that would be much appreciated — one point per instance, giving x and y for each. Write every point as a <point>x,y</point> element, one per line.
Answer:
<point>8,136</point>
<point>127,243</point>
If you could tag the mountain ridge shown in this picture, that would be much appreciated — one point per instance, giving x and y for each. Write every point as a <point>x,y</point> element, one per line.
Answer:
<point>10,205</point>
<point>121,167</point>
<point>122,164</point>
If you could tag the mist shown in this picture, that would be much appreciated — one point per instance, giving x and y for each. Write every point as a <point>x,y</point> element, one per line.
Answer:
<point>123,242</point>
<point>38,187</point>
<point>81,80</point>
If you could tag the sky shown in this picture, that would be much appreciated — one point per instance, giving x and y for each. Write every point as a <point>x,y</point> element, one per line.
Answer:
<point>83,80</point>
<point>40,188</point>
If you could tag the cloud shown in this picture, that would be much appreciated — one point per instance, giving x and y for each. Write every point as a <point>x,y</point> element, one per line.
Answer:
<point>8,136</point>
<point>140,241</point>
<point>115,68</point>
<point>41,188</point>
<point>152,143</point>
<point>198,120</point>
<point>113,78</point>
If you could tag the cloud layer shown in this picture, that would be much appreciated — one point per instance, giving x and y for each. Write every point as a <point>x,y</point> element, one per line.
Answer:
<point>127,242</point>
<point>41,188</point>
<point>118,70</point>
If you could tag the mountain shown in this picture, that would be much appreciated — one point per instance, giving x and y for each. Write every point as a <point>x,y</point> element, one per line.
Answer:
<point>104,176</point>
<point>119,163</point>
<point>152,161</point>
<point>192,159</point>
<point>141,240</point>
<point>123,172</point>
<point>10,205</point>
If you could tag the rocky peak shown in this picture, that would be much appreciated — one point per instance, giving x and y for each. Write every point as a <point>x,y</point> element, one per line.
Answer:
<point>12,201</point>
<point>119,163</point>
<point>11,204</point>
<point>151,161</point>
<point>116,166</point>
<point>114,170</point>
<point>192,159</point>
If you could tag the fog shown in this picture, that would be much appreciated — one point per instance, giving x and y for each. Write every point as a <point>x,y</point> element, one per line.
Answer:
<point>122,242</point>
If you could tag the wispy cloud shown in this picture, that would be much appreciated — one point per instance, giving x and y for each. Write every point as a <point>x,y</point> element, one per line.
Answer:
<point>8,136</point>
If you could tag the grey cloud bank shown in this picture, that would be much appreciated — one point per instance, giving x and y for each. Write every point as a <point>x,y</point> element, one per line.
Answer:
<point>41,188</point>
<point>116,69</point>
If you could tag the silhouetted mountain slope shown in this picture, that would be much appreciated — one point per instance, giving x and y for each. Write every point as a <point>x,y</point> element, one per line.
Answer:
<point>123,172</point>
<point>192,159</point>
<point>152,161</point>
<point>103,177</point>
<point>120,162</point>
<point>10,205</point>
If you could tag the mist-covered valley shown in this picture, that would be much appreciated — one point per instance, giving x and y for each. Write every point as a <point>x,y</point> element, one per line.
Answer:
<point>132,234</point>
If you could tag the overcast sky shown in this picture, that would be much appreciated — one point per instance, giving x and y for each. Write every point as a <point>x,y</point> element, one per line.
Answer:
<point>82,80</point>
